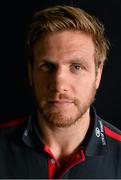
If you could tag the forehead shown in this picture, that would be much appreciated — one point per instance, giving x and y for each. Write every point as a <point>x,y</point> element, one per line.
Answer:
<point>65,45</point>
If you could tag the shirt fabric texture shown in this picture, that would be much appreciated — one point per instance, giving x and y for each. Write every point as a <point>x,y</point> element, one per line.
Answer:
<point>24,155</point>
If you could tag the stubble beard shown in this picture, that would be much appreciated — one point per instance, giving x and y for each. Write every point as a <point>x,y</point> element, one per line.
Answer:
<point>61,119</point>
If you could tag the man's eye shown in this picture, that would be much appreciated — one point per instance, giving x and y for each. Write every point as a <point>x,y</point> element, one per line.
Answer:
<point>75,67</point>
<point>47,67</point>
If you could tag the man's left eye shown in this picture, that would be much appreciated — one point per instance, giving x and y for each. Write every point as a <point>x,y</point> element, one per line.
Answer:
<point>75,67</point>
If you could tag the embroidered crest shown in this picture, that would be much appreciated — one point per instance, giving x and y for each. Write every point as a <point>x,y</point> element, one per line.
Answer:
<point>97,132</point>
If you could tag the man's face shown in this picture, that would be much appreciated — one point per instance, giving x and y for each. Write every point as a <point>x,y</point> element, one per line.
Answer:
<point>63,76</point>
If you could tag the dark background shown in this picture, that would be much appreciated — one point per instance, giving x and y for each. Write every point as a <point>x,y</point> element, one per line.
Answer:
<point>15,96</point>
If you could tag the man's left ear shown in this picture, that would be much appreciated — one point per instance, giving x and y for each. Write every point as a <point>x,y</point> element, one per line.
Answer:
<point>99,74</point>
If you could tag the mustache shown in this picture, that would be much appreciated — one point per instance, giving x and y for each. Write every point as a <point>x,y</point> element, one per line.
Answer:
<point>60,97</point>
<point>63,97</point>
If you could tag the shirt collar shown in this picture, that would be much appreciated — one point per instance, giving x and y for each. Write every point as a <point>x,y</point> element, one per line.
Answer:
<point>31,135</point>
<point>95,143</point>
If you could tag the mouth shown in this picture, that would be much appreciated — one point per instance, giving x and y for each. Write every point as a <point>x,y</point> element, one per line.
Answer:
<point>60,103</point>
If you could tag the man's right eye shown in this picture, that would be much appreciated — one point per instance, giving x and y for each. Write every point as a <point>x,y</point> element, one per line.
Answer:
<point>47,67</point>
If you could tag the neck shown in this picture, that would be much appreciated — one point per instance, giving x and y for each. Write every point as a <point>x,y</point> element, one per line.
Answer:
<point>70,137</point>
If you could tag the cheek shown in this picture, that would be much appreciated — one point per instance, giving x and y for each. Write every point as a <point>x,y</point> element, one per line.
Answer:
<point>40,85</point>
<point>83,86</point>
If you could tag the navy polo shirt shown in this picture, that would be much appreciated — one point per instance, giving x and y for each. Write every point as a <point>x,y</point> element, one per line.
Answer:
<point>22,153</point>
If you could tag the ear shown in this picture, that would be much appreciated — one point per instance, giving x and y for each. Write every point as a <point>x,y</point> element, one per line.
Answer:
<point>98,75</point>
<point>30,74</point>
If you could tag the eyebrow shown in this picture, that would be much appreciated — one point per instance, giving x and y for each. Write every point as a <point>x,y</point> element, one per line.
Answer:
<point>71,61</point>
<point>47,61</point>
<point>80,61</point>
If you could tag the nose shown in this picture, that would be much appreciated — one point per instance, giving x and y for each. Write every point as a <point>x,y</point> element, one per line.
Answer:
<point>60,80</point>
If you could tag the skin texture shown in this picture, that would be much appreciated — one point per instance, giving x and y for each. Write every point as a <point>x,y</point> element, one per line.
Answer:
<point>64,82</point>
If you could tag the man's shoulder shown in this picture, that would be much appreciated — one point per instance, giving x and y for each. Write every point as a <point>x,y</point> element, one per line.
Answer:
<point>10,132</point>
<point>11,125</point>
<point>112,131</point>
<point>11,141</point>
<point>113,136</point>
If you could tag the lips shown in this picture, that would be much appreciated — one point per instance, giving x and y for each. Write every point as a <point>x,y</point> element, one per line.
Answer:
<point>63,100</point>
<point>60,102</point>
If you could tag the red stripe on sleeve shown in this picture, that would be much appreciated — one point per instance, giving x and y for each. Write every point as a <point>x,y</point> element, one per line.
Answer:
<point>13,122</point>
<point>112,134</point>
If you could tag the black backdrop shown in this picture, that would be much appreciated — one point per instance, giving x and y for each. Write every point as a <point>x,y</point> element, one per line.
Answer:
<point>15,97</point>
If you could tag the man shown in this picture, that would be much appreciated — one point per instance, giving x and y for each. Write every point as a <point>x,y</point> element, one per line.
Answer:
<point>63,137</point>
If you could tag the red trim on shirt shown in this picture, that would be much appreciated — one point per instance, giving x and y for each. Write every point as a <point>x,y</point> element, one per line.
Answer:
<point>13,122</point>
<point>74,160</point>
<point>52,167</point>
<point>112,134</point>
<point>57,169</point>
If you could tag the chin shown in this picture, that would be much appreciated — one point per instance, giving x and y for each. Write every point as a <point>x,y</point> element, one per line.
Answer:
<point>61,119</point>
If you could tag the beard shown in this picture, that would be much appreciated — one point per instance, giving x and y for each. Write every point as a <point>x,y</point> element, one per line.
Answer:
<point>68,116</point>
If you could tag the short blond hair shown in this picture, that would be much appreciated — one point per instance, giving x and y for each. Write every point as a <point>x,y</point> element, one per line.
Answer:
<point>60,18</point>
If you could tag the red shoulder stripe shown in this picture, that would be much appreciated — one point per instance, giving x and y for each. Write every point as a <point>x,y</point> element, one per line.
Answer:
<point>112,134</point>
<point>15,122</point>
